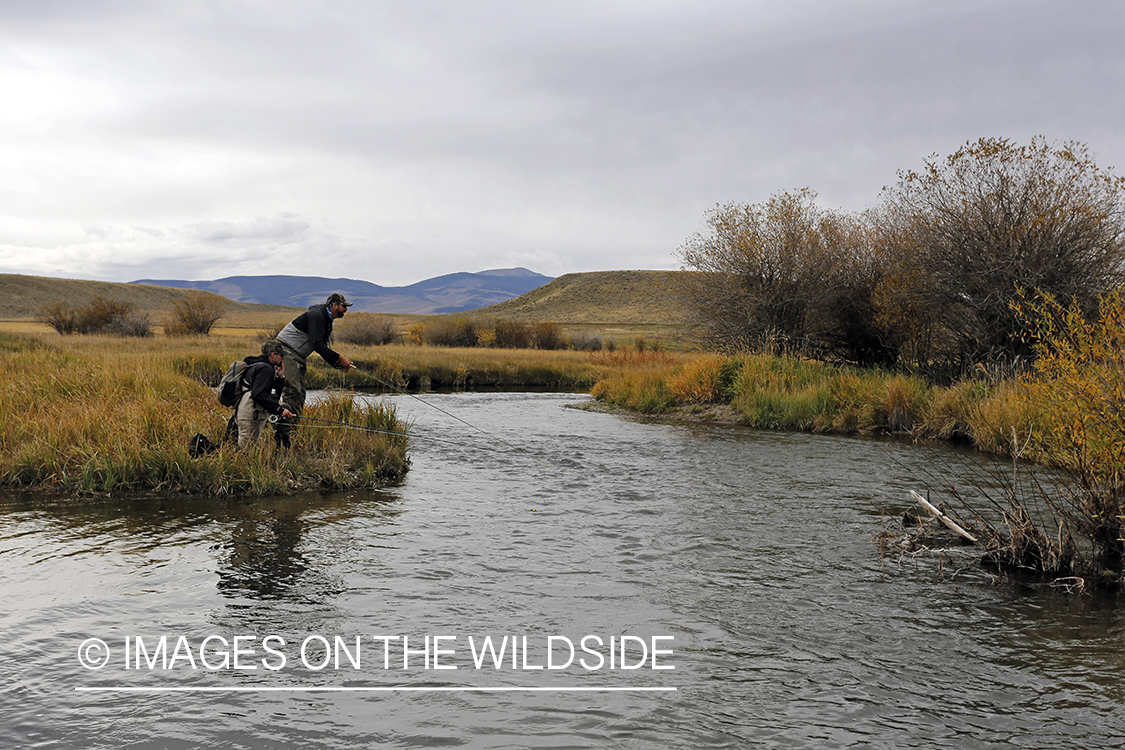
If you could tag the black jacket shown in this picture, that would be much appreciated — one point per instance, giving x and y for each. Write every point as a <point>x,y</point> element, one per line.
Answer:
<point>310,332</point>
<point>263,384</point>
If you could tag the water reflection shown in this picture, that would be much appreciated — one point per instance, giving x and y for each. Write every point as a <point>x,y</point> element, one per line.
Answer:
<point>263,560</point>
<point>257,544</point>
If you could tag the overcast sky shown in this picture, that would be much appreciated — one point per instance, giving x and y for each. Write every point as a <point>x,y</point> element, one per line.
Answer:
<point>392,141</point>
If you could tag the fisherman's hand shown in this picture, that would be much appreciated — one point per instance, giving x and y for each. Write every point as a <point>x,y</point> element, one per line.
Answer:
<point>344,363</point>
<point>286,414</point>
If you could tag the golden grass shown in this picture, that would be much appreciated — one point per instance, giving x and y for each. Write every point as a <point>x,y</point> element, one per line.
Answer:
<point>105,414</point>
<point>789,393</point>
<point>101,414</point>
<point>637,380</point>
<point>429,367</point>
<point>701,381</point>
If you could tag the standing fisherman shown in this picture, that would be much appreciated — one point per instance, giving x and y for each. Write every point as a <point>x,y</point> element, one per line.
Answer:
<point>309,332</point>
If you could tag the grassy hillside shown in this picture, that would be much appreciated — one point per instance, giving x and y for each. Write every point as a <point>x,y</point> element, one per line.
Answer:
<point>597,299</point>
<point>22,296</point>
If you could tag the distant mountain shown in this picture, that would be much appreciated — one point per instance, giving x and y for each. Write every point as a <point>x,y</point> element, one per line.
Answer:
<point>454,292</point>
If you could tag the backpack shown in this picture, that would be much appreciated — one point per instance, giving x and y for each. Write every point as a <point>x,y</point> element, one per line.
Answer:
<point>230,385</point>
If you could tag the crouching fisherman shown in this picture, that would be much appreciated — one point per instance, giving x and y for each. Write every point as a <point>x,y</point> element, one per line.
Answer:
<point>263,382</point>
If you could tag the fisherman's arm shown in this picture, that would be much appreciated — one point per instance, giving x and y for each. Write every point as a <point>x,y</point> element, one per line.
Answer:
<point>318,334</point>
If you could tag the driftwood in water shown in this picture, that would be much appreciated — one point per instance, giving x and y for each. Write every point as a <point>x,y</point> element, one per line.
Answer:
<point>949,522</point>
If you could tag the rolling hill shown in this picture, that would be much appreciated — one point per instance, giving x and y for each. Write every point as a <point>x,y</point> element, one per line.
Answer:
<point>598,298</point>
<point>23,296</point>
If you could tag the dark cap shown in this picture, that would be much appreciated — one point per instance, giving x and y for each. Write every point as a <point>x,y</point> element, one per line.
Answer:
<point>337,299</point>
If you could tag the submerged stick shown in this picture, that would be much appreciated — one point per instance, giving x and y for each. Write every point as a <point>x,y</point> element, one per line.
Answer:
<point>949,522</point>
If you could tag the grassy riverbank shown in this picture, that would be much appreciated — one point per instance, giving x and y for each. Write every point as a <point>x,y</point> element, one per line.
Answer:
<point>1065,411</point>
<point>105,414</point>
<point>420,368</point>
<point>94,414</point>
<point>429,367</point>
<point>788,393</point>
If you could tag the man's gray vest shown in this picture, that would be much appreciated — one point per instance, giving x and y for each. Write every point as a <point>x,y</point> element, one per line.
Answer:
<point>296,339</point>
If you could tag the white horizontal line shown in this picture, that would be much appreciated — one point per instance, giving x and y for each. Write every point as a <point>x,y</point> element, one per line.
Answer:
<point>132,689</point>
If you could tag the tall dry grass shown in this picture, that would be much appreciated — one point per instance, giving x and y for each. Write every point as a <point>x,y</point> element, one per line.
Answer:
<point>636,379</point>
<point>790,393</point>
<point>100,415</point>
<point>704,380</point>
<point>414,367</point>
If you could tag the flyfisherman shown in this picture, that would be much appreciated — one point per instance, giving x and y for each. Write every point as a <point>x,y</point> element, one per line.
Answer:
<point>264,381</point>
<point>307,333</point>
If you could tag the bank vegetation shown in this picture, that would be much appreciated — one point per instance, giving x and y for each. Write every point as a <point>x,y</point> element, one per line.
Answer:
<point>101,414</point>
<point>923,282</point>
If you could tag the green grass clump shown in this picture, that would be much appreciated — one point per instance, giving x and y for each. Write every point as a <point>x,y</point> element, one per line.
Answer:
<point>205,368</point>
<point>793,394</point>
<point>16,342</point>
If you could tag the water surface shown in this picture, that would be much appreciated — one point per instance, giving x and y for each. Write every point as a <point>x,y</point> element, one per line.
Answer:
<point>747,554</point>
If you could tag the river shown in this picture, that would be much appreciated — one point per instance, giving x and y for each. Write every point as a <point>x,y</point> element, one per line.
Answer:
<point>683,586</point>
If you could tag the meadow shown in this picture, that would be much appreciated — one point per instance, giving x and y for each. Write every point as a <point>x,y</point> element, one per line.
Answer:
<point>101,414</point>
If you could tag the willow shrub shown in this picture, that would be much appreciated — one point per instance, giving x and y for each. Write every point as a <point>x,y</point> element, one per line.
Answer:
<point>196,313</point>
<point>106,416</point>
<point>1079,379</point>
<point>457,330</point>
<point>367,329</point>
<point>1077,389</point>
<point>1066,412</point>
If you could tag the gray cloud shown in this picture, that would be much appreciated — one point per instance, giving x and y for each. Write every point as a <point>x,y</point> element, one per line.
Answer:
<point>394,141</point>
